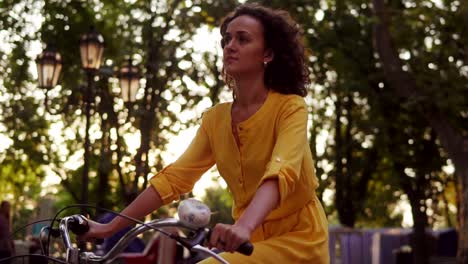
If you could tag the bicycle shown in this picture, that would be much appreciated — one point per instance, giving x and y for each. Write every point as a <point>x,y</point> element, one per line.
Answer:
<point>191,221</point>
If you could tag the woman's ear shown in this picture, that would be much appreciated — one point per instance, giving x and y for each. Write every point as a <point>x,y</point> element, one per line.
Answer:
<point>268,56</point>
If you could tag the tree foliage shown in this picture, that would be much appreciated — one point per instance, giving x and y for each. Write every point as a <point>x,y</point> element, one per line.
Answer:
<point>381,109</point>
<point>48,130</point>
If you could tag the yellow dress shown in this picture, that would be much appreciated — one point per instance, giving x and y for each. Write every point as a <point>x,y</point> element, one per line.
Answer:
<point>272,144</point>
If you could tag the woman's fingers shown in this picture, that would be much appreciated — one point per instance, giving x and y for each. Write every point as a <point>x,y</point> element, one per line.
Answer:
<point>214,237</point>
<point>228,237</point>
<point>217,236</point>
<point>96,230</point>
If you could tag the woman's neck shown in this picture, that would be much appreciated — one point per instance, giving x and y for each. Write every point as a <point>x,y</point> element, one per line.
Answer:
<point>250,91</point>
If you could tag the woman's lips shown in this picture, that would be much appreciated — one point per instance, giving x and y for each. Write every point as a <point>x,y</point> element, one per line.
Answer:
<point>230,59</point>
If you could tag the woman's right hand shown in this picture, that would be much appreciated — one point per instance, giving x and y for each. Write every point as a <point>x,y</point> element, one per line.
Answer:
<point>148,201</point>
<point>97,230</point>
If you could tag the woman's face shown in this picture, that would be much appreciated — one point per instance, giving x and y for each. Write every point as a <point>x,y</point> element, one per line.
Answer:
<point>244,47</point>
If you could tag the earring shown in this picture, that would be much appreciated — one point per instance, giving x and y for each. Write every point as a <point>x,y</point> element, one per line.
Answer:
<point>265,63</point>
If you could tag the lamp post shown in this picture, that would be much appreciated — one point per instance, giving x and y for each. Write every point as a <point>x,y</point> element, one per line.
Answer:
<point>129,79</point>
<point>49,65</point>
<point>91,50</point>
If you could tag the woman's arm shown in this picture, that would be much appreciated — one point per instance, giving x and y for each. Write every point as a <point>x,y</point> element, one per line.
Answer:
<point>148,201</point>
<point>265,200</point>
<point>230,237</point>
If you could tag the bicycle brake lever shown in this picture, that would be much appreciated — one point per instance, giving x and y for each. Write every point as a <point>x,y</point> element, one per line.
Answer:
<point>202,249</point>
<point>194,244</point>
<point>189,243</point>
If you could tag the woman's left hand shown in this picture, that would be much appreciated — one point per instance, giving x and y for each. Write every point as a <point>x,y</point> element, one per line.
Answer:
<point>229,237</point>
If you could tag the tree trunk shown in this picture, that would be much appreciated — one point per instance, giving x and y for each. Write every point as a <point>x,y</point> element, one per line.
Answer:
<point>147,117</point>
<point>343,190</point>
<point>152,95</point>
<point>462,254</point>
<point>348,171</point>
<point>414,188</point>
<point>104,169</point>
<point>107,114</point>
<point>339,196</point>
<point>419,241</point>
<point>452,140</point>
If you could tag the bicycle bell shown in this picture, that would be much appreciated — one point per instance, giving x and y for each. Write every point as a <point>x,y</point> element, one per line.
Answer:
<point>194,213</point>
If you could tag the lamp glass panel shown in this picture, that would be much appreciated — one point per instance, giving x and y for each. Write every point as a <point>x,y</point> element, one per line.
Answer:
<point>124,85</point>
<point>48,69</point>
<point>93,54</point>
<point>39,74</point>
<point>134,85</point>
<point>84,55</point>
<point>58,69</point>
<point>100,51</point>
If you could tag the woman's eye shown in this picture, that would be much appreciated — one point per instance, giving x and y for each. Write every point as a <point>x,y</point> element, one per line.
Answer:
<point>226,40</point>
<point>243,39</point>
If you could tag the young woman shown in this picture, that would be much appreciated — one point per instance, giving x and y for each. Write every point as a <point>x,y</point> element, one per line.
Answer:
<point>259,144</point>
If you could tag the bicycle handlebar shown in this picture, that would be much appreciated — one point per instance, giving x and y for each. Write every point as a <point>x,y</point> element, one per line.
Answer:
<point>78,224</point>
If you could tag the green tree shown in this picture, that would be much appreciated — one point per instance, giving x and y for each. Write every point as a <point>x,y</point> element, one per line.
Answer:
<point>25,154</point>
<point>157,36</point>
<point>357,77</point>
<point>219,200</point>
<point>433,78</point>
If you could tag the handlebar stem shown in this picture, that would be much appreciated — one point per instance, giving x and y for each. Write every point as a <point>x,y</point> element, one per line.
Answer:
<point>65,233</point>
<point>72,253</point>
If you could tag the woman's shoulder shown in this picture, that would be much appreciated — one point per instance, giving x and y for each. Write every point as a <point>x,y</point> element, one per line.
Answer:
<point>217,111</point>
<point>217,108</point>
<point>288,100</point>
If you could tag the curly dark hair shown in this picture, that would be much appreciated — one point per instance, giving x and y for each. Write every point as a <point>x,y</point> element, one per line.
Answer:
<point>287,73</point>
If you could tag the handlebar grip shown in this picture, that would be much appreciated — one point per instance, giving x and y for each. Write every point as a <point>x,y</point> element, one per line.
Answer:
<point>79,226</point>
<point>246,248</point>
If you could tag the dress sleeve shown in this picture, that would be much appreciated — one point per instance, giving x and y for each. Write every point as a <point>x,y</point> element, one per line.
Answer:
<point>180,177</point>
<point>289,150</point>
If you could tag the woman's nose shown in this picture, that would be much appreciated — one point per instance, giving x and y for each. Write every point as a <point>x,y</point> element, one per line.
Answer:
<point>230,44</point>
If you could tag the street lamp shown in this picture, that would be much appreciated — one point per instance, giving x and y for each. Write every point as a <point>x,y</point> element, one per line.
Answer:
<point>91,50</point>
<point>129,79</point>
<point>49,64</point>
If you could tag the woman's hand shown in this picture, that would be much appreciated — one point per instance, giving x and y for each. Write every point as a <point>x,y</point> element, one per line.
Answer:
<point>97,230</point>
<point>229,237</point>
<point>148,201</point>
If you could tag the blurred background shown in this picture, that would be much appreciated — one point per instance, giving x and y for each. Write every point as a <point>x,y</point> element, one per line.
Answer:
<point>97,96</point>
